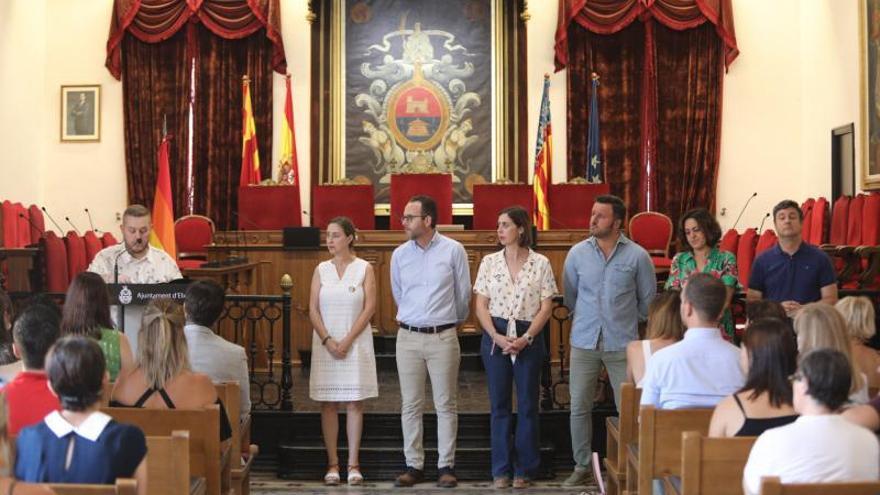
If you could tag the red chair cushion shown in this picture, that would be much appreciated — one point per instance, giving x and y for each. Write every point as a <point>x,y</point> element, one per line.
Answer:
<point>38,223</point>
<point>57,278</point>
<point>108,240</point>
<point>819,222</point>
<point>10,225</point>
<point>871,220</point>
<point>572,204</point>
<point>652,231</point>
<point>661,262</point>
<point>76,254</point>
<point>93,245</point>
<point>353,201</point>
<point>745,255</point>
<point>839,214</point>
<point>854,221</point>
<point>405,186</point>
<point>24,226</point>
<point>730,241</point>
<point>490,199</point>
<point>189,263</point>
<point>765,241</point>
<point>192,233</point>
<point>807,209</point>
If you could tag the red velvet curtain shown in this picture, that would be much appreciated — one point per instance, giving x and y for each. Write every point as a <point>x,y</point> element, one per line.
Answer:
<point>217,144</point>
<point>152,75</point>
<point>661,65</point>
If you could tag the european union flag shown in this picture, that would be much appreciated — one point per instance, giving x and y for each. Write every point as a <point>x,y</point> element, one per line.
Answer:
<point>594,167</point>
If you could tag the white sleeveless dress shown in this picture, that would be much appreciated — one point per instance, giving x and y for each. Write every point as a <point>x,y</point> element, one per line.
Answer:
<point>341,300</point>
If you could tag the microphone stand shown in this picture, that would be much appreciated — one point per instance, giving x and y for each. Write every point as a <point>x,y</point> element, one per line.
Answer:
<point>116,282</point>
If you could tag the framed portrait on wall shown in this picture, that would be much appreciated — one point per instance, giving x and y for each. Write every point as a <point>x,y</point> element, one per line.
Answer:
<point>81,113</point>
<point>419,86</point>
<point>869,41</point>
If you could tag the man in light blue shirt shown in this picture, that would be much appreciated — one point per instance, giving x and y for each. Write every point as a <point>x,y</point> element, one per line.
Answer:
<point>609,282</point>
<point>703,368</point>
<point>431,284</point>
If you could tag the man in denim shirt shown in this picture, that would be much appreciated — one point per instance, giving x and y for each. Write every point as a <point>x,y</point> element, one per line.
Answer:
<point>609,281</point>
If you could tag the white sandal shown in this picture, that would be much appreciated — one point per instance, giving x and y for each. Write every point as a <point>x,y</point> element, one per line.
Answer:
<point>332,476</point>
<point>354,475</point>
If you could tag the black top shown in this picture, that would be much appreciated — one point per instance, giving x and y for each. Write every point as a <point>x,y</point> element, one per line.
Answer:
<point>753,427</point>
<point>225,428</point>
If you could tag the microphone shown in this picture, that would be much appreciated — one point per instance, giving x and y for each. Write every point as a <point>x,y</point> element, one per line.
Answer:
<point>744,209</point>
<point>60,230</point>
<point>762,223</point>
<point>33,225</point>
<point>91,224</point>
<point>72,225</point>
<point>241,238</point>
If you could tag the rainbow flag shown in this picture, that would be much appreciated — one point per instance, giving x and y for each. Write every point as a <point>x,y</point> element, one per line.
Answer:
<point>162,235</point>
<point>543,163</point>
<point>250,154</point>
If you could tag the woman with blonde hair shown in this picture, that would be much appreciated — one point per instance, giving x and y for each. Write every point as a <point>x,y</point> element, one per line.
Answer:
<point>163,378</point>
<point>664,328</point>
<point>821,326</point>
<point>858,312</point>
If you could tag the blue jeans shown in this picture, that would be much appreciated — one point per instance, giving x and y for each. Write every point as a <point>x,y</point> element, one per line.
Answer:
<point>523,459</point>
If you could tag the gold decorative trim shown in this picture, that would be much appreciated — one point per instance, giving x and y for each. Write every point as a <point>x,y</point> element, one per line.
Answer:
<point>311,16</point>
<point>868,182</point>
<point>524,15</point>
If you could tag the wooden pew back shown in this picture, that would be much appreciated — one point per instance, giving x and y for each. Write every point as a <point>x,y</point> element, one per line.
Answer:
<point>168,463</point>
<point>771,485</point>
<point>123,486</point>
<point>620,434</point>
<point>204,439</point>
<point>660,433</point>
<point>713,465</point>
<point>230,395</point>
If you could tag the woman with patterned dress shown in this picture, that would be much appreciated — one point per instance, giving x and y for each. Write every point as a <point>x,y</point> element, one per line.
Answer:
<point>87,312</point>
<point>699,233</point>
<point>514,291</point>
<point>343,370</point>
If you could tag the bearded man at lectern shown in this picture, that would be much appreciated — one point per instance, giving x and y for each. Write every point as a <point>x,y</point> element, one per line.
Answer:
<point>134,262</point>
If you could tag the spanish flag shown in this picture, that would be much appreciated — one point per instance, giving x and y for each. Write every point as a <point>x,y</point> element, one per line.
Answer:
<point>162,235</point>
<point>288,150</point>
<point>543,163</point>
<point>250,154</point>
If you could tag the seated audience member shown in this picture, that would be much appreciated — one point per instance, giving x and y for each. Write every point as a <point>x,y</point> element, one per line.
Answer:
<point>7,316</point>
<point>703,368</point>
<point>8,371</point>
<point>819,446</point>
<point>820,326</point>
<point>210,353</point>
<point>792,272</point>
<point>664,328</point>
<point>80,444</point>
<point>764,308</point>
<point>769,356</point>
<point>163,378</point>
<point>87,312</point>
<point>28,397</point>
<point>858,313</point>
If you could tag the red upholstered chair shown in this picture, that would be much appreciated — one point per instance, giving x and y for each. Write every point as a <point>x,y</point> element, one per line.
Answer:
<point>355,201</point>
<point>766,241</point>
<point>854,221</point>
<point>39,223</point>
<point>745,255</point>
<point>869,252</point>
<point>839,213</point>
<point>24,226</point>
<point>57,278</point>
<point>93,246</point>
<point>10,224</point>
<point>807,209</point>
<point>268,207</point>
<point>653,231</point>
<point>730,241</point>
<point>571,204</point>
<point>405,186</point>
<point>108,240</point>
<point>490,199</point>
<point>819,222</point>
<point>193,233</point>
<point>76,254</point>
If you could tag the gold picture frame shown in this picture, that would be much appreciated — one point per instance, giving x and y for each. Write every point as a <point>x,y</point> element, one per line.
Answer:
<point>81,113</point>
<point>869,57</point>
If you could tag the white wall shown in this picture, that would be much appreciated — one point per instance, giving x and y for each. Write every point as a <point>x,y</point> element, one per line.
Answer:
<point>795,79</point>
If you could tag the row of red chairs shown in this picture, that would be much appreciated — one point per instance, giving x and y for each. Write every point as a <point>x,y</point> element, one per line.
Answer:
<point>20,226</point>
<point>68,256</point>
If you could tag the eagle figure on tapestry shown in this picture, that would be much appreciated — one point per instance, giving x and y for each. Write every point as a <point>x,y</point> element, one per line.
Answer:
<point>417,106</point>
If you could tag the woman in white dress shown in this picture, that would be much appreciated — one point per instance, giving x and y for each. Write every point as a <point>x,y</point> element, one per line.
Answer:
<point>343,370</point>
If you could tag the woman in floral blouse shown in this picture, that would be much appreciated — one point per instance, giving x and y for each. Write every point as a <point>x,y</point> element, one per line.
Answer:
<point>699,233</point>
<point>514,291</point>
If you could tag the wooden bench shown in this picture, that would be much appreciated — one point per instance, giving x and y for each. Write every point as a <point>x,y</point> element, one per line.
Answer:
<point>621,431</point>
<point>123,486</point>
<point>658,452</point>
<point>168,466</point>
<point>771,485</point>
<point>243,458</point>
<point>710,465</point>
<point>206,458</point>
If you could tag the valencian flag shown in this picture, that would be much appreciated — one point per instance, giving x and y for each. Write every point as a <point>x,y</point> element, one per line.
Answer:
<point>543,162</point>
<point>162,235</point>
<point>250,155</point>
<point>594,167</point>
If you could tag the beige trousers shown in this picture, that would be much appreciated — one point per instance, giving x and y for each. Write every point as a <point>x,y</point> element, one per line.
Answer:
<point>438,354</point>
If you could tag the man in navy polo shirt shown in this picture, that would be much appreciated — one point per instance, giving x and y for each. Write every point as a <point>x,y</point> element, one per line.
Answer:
<point>792,272</point>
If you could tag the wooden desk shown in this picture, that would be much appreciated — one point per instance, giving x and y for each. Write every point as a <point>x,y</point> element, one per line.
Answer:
<point>375,246</point>
<point>20,275</point>
<point>236,279</point>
